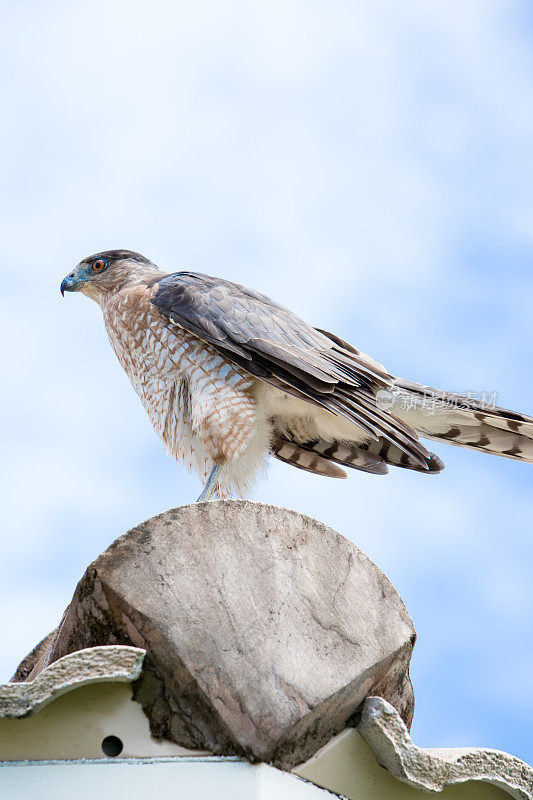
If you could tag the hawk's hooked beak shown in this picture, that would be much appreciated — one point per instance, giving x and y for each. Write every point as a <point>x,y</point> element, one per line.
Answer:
<point>70,284</point>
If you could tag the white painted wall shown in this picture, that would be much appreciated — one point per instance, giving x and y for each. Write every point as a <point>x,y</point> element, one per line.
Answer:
<point>179,778</point>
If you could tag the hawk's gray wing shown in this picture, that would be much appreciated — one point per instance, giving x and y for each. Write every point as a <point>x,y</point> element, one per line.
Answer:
<point>275,345</point>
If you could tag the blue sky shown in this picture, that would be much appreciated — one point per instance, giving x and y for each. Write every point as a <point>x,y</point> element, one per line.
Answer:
<point>369,165</point>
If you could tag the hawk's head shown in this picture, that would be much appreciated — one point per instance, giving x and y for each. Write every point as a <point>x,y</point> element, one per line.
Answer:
<point>100,274</point>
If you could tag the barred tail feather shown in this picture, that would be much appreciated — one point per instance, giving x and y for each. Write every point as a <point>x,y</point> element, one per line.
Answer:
<point>398,458</point>
<point>299,457</point>
<point>322,456</point>
<point>462,421</point>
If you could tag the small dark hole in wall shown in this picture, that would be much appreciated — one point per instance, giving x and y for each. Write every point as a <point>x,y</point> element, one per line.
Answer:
<point>112,746</point>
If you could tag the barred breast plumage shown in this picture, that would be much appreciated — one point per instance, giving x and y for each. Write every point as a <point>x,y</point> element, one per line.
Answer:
<point>203,407</point>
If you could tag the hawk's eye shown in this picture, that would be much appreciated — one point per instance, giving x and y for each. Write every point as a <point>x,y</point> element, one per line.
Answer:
<point>99,265</point>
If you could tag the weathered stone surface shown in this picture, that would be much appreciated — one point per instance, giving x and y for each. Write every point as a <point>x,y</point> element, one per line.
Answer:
<point>95,665</point>
<point>28,663</point>
<point>264,629</point>
<point>432,769</point>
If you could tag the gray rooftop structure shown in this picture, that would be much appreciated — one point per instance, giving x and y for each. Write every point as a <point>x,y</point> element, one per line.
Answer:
<point>235,633</point>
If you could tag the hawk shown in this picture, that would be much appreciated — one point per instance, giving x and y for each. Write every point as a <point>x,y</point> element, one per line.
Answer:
<point>228,376</point>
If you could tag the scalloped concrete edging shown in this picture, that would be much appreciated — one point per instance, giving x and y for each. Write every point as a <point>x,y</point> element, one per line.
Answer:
<point>433,769</point>
<point>92,665</point>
